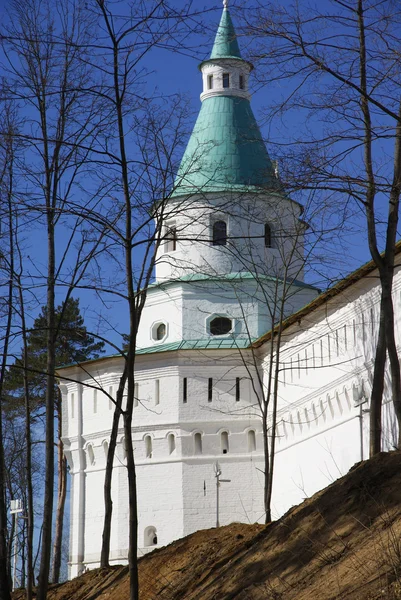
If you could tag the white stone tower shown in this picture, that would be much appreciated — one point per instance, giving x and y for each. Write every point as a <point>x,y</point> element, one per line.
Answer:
<point>230,235</point>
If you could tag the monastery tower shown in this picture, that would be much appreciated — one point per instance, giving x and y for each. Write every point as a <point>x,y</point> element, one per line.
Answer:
<point>230,237</point>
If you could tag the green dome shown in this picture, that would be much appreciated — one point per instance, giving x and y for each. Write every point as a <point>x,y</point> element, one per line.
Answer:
<point>226,151</point>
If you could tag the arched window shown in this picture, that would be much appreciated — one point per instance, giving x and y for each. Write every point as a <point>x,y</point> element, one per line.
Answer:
<point>224,442</point>
<point>268,236</point>
<point>105,448</point>
<point>219,233</point>
<point>171,443</point>
<point>198,443</point>
<point>251,441</point>
<point>220,326</point>
<point>210,82</point>
<point>148,446</point>
<point>226,80</point>
<point>241,82</point>
<point>150,537</point>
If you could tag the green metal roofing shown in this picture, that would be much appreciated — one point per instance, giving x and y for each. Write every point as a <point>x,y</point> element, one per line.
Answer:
<point>239,276</point>
<point>225,43</point>
<point>226,151</point>
<point>207,344</point>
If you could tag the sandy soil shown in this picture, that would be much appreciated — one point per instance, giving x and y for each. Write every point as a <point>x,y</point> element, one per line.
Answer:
<point>343,543</point>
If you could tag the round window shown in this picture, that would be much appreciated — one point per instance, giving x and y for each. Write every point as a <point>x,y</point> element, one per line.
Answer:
<point>220,326</point>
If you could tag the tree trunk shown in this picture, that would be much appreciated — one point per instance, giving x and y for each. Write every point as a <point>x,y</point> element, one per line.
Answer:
<point>266,491</point>
<point>375,415</point>
<point>108,503</point>
<point>133,512</point>
<point>61,495</point>
<point>28,455</point>
<point>43,580</point>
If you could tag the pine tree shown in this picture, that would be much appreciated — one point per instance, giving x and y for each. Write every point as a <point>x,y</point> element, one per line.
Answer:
<point>74,344</point>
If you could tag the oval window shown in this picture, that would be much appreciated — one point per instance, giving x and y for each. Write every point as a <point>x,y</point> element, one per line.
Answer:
<point>220,326</point>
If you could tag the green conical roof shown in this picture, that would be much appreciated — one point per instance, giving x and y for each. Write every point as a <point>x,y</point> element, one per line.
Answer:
<point>225,43</point>
<point>226,151</point>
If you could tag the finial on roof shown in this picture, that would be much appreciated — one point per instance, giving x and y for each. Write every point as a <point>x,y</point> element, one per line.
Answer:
<point>225,3</point>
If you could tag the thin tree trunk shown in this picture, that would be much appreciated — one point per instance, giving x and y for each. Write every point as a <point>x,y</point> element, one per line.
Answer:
<point>61,496</point>
<point>133,512</point>
<point>43,580</point>
<point>375,415</point>
<point>108,503</point>
<point>268,516</point>
<point>28,455</point>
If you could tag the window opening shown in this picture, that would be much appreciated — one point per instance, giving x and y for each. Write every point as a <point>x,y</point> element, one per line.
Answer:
<point>157,392</point>
<point>224,442</point>
<point>161,331</point>
<point>237,389</point>
<point>226,80</point>
<point>210,389</point>
<point>184,390</point>
<point>241,82</point>
<point>105,448</point>
<point>251,441</point>
<point>171,239</point>
<point>210,82</point>
<point>198,443</point>
<point>268,236</point>
<point>171,443</point>
<point>148,446</point>
<point>219,233</point>
<point>220,326</point>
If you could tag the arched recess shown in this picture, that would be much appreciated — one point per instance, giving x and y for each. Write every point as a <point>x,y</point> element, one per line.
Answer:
<point>197,443</point>
<point>91,454</point>
<point>105,445</point>
<point>251,440</point>
<point>148,446</point>
<point>224,442</point>
<point>171,443</point>
<point>150,536</point>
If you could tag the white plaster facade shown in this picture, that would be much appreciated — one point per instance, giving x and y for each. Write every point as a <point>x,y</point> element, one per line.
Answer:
<point>195,390</point>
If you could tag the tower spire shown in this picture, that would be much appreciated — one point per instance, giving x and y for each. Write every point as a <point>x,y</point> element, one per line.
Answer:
<point>226,151</point>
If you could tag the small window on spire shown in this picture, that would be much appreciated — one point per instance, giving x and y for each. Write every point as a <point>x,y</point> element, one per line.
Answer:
<point>226,80</point>
<point>210,82</point>
<point>241,82</point>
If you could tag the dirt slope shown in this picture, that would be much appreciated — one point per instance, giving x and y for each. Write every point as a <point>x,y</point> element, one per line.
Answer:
<point>343,543</point>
